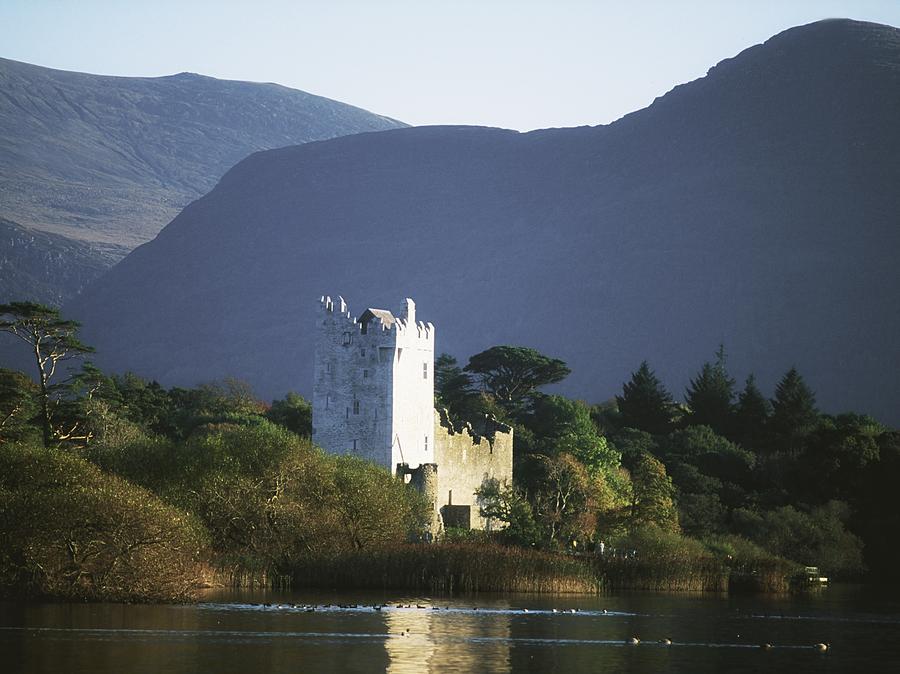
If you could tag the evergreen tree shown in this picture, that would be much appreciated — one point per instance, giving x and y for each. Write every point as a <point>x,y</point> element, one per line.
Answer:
<point>52,341</point>
<point>751,416</point>
<point>451,385</point>
<point>645,403</point>
<point>710,396</point>
<point>794,413</point>
<point>512,375</point>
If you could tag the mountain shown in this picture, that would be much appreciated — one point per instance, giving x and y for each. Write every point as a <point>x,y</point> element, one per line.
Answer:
<point>106,162</point>
<point>755,207</point>
<point>36,264</point>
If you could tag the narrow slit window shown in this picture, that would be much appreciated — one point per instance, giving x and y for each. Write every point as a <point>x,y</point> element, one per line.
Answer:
<point>355,445</point>
<point>365,374</point>
<point>424,370</point>
<point>348,337</point>
<point>355,407</point>
<point>426,443</point>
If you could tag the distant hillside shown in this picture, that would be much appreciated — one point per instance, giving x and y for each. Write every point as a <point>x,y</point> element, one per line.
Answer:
<point>108,161</point>
<point>757,207</point>
<point>36,264</point>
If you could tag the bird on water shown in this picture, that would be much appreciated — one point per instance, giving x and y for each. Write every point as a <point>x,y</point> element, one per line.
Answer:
<point>633,641</point>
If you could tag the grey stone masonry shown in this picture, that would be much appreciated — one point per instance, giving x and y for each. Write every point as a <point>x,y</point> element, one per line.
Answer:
<point>373,394</point>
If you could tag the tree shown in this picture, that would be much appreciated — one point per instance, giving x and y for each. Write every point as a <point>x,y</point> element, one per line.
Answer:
<point>17,405</point>
<point>710,396</point>
<point>451,384</point>
<point>293,412</point>
<point>565,426</point>
<point>652,496</point>
<point>52,340</point>
<point>564,503</point>
<point>751,416</point>
<point>514,373</point>
<point>794,413</point>
<point>645,403</point>
<point>504,503</point>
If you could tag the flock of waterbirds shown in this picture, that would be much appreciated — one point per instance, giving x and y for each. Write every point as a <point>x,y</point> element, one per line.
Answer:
<point>631,641</point>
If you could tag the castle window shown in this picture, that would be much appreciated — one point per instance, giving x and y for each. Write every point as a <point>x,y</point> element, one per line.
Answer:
<point>426,443</point>
<point>348,337</point>
<point>365,374</point>
<point>328,368</point>
<point>327,401</point>
<point>355,447</point>
<point>362,352</point>
<point>424,370</point>
<point>348,412</point>
<point>355,407</point>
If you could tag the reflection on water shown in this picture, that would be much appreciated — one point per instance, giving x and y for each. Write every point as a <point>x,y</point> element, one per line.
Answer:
<point>436,636</point>
<point>268,632</point>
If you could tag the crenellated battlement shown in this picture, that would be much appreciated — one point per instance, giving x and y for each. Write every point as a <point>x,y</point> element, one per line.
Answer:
<point>374,321</point>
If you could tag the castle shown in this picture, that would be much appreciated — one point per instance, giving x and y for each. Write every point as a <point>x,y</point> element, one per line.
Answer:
<point>373,396</point>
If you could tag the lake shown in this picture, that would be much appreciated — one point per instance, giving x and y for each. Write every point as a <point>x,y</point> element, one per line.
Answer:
<point>235,631</point>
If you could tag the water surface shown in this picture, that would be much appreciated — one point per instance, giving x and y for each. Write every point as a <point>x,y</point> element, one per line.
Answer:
<point>313,632</point>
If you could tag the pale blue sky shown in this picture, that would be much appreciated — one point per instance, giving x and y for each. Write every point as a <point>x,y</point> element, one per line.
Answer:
<point>517,64</point>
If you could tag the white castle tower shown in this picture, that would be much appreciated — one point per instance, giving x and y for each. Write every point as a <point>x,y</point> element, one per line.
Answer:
<point>373,391</point>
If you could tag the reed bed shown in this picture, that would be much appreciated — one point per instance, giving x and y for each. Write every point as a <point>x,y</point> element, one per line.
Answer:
<point>449,568</point>
<point>662,574</point>
<point>772,575</point>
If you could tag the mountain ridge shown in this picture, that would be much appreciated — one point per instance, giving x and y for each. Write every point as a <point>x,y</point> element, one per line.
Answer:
<point>752,207</point>
<point>109,160</point>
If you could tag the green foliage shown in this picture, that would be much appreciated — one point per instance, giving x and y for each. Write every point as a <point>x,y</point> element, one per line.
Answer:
<point>794,414</point>
<point>710,396</point>
<point>564,426</point>
<point>751,416</point>
<point>817,538</point>
<point>452,386</point>
<point>711,453</point>
<point>632,443</point>
<point>837,457</point>
<point>52,340</point>
<point>69,530</point>
<point>18,406</point>
<point>652,496</point>
<point>503,503</point>
<point>294,413</point>
<point>645,404</point>
<point>512,374</point>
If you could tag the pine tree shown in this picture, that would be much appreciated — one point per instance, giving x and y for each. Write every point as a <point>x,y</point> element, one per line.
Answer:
<point>645,403</point>
<point>794,413</point>
<point>751,416</point>
<point>710,396</point>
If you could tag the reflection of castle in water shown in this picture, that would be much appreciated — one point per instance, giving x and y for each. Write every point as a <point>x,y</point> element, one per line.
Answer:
<point>426,640</point>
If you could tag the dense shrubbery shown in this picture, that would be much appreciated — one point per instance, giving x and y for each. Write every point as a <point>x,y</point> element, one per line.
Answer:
<point>69,530</point>
<point>727,483</point>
